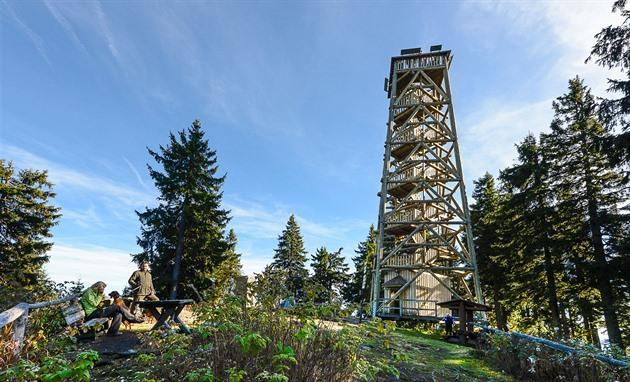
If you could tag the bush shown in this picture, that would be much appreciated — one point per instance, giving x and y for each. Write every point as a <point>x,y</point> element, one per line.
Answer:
<point>52,369</point>
<point>233,343</point>
<point>536,362</point>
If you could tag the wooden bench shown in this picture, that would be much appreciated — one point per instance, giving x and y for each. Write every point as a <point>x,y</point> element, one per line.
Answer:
<point>87,330</point>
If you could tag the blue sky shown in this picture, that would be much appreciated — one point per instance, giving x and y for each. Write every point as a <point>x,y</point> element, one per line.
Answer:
<point>289,93</point>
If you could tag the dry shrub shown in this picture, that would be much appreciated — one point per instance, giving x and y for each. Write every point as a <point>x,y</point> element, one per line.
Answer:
<point>7,347</point>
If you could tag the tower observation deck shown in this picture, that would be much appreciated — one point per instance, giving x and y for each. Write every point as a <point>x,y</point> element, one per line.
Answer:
<point>425,253</point>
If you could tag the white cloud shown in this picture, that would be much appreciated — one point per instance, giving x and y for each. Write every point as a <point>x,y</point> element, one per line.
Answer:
<point>85,218</point>
<point>258,226</point>
<point>35,38</point>
<point>90,264</point>
<point>262,222</point>
<point>63,176</point>
<point>65,24</point>
<point>492,131</point>
<point>135,172</point>
<point>565,31</point>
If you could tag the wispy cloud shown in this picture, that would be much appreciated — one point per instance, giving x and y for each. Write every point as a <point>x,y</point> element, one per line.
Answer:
<point>258,226</point>
<point>90,264</point>
<point>135,172</point>
<point>266,221</point>
<point>38,42</point>
<point>63,176</point>
<point>105,31</point>
<point>493,130</point>
<point>562,33</point>
<point>87,218</point>
<point>65,24</point>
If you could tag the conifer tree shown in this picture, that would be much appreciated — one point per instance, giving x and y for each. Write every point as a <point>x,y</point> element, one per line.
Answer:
<point>330,273</point>
<point>493,264</point>
<point>290,257</point>
<point>357,289</point>
<point>588,185</point>
<point>270,286</point>
<point>229,269</point>
<point>533,196</point>
<point>612,50</point>
<point>26,219</point>
<point>183,237</point>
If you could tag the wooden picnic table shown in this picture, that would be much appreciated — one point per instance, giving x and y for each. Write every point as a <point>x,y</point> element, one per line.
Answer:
<point>170,309</point>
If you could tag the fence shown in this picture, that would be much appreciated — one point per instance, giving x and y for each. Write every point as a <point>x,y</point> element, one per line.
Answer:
<point>18,315</point>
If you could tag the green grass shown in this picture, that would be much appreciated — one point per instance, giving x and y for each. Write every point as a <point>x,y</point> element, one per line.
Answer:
<point>426,357</point>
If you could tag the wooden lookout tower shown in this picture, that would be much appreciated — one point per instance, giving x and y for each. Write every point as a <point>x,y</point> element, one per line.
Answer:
<point>425,253</point>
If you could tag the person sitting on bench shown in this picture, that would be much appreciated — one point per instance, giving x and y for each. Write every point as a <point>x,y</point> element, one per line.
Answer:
<point>92,298</point>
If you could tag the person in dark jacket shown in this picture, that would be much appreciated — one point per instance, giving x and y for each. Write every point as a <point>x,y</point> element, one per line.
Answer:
<point>142,285</point>
<point>448,324</point>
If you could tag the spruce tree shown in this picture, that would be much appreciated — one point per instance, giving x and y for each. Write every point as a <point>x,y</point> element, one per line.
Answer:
<point>493,265</point>
<point>330,273</point>
<point>290,257</point>
<point>270,286</point>
<point>229,269</point>
<point>183,237</point>
<point>612,50</point>
<point>358,287</point>
<point>587,183</point>
<point>532,195</point>
<point>26,219</point>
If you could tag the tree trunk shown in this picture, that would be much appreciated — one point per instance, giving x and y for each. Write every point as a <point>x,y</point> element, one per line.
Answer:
<point>601,267</point>
<point>498,308</point>
<point>552,292</point>
<point>178,252</point>
<point>586,312</point>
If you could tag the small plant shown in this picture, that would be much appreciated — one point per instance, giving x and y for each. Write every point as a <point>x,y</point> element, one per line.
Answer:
<point>235,375</point>
<point>200,375</point>
<point>252,343</point>
<point>285,356</point>
<point>53,369</point>
<point>146,358</point>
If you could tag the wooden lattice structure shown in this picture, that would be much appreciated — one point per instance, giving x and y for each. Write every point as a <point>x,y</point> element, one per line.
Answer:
<point>425,253</point>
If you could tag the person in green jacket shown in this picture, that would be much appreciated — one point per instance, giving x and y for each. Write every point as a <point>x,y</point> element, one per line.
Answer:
<point>91,300</point>
<point>141,283</point>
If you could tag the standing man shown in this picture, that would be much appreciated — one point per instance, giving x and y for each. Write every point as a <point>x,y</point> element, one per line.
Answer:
<point>142,285</point>
<point>448,323</point>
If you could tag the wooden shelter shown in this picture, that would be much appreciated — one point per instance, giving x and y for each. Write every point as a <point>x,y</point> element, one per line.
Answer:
<point>464,310</point>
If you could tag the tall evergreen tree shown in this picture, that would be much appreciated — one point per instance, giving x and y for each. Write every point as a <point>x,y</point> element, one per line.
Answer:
<point>290,256</point>
<point>612,50</point>
<point>358,287</point>
<point>330,273</point>
<point>184,234</point>
<point>588,184</point>
<point>26,218</point>
<point>493,264</point>
<point>533,196</point>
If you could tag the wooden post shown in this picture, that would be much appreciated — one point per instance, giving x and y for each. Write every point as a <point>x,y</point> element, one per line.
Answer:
<point>19,316</point>
<point>19,328</point>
